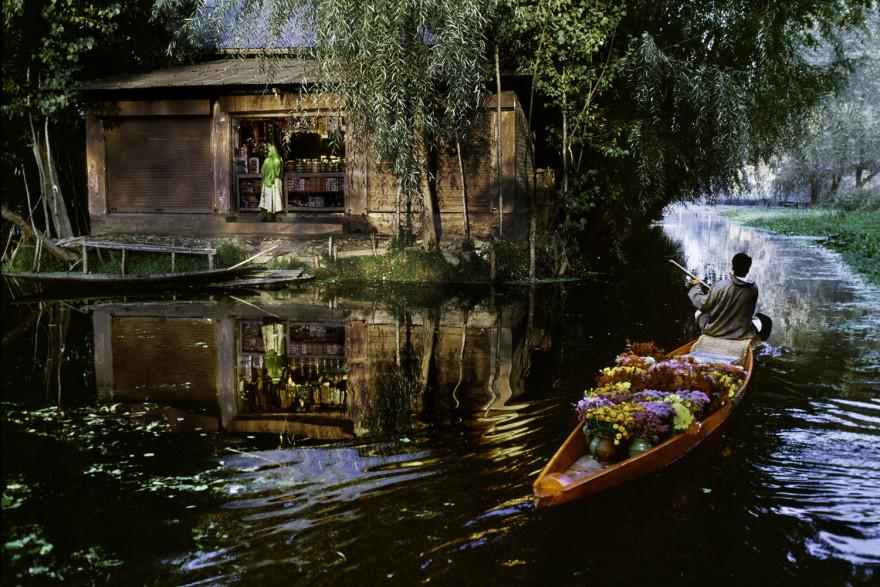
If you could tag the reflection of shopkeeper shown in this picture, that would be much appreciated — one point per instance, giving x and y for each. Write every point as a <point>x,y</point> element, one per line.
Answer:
<point>270,201</point>
<point>273,341</point>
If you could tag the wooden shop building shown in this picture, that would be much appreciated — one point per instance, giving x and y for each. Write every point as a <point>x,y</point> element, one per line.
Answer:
<point>178,151</point>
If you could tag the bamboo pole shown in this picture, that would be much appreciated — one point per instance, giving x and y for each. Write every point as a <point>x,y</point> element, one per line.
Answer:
<point>252,257</point>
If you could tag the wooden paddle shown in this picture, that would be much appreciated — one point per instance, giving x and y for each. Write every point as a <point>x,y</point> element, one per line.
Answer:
<point>691,275</point>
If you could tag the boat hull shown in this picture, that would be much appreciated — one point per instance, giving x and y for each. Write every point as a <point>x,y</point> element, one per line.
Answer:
<point>553,486</point>
<point>27,285</point>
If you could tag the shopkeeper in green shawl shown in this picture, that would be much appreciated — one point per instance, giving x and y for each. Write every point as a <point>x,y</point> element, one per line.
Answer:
<point>270,201</point>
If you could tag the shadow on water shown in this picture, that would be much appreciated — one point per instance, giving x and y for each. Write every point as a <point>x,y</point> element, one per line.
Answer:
<point>365,436</point>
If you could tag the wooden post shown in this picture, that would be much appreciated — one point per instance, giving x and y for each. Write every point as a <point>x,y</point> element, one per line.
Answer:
<point>122,265</point>
<point>85,256</point>
<point>330,249</point>
<point>492,266</point>
<point>210,261</point>
<point>172,262</point>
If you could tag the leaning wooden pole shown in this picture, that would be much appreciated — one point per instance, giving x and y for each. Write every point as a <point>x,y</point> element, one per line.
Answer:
<point>24,225</point>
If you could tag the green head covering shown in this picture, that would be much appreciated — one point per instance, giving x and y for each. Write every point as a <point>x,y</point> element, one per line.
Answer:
<point>274,366</point>
<point>272,167</point>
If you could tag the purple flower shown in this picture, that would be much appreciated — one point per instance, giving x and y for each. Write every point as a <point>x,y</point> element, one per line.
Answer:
<point>649,395</point>
<point>698,398</point>
<point>656,420</point>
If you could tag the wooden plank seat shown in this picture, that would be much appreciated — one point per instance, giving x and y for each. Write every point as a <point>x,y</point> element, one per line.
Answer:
<point>85,243</point>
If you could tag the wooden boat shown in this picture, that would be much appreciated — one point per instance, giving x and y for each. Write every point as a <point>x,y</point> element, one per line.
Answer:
<point>67,279</point>
<point>572,474</point>
<point>264,279</point>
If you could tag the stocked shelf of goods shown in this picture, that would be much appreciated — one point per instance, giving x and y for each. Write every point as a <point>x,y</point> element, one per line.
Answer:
<point>250,186</point>
<point>315,190</point>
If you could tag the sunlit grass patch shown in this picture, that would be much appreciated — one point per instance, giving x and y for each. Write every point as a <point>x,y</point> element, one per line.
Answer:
<point>855,234</point>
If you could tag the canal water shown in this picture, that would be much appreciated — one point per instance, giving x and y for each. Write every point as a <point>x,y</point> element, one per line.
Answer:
<point>325,437</point>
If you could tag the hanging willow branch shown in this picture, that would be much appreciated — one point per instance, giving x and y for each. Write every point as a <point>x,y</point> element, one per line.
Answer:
<point>410,74</point>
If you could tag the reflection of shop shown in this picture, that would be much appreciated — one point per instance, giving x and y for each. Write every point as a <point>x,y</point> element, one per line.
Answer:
<point>313,372</point>
<point>312,147</point>
<point>210,359</point>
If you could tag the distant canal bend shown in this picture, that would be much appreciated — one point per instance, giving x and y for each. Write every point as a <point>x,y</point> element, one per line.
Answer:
<point>391,437</point>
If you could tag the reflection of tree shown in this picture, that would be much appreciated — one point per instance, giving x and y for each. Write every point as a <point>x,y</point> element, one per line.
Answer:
<point>393,399</point>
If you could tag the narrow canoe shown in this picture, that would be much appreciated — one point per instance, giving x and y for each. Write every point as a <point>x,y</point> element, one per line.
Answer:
<point>267,279</point>
<point>560,483</point>
<point>74,279</point>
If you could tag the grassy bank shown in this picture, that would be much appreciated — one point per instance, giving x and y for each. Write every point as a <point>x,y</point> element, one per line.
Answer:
<point>855,234</point>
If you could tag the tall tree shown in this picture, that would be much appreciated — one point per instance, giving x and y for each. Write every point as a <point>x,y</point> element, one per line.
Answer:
<point>43,44</point>
<point>840,142</point>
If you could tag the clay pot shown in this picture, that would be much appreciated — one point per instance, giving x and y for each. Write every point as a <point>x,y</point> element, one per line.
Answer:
<point>607,451</point>
<point>638,446</point>
<point>594,443</point>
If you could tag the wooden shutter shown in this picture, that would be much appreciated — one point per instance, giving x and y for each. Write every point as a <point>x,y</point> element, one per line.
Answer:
<point>167,360</point>
<point>159,164</point>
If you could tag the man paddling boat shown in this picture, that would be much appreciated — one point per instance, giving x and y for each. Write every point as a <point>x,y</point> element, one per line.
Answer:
<point>727,309</point>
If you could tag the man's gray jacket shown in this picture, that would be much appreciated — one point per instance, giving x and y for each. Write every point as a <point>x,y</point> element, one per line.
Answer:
<point>728,308</point>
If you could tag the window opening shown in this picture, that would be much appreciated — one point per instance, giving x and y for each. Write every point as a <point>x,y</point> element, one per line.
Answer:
<point>313,150</point>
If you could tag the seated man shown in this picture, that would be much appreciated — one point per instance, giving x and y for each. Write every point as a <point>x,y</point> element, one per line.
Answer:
<point>726,310</point>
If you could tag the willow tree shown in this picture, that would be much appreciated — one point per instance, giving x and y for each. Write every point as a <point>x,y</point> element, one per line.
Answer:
<point>410,74</point>
<point>710,87</point>
<point>681,95</point>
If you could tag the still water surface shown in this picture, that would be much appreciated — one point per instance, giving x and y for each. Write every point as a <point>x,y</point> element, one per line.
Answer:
<point>400,441</point>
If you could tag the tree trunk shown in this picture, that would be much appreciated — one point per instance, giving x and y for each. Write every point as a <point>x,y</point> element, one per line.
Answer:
<point>60,217</point>
<point>464,328</point>
<point>814,191</point>
<point>431,326</point>
<point>54,249</point>
<point>57,219</point>
<point>835,183</point>
<point>499,144</point>
<point>59,321</point>
<point>430,231</point>
<point>464,201</point>
<point>870,177</point>
<point>564,143</point>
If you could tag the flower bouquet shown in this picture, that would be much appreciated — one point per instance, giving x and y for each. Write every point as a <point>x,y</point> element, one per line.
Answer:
<point>640,402</point>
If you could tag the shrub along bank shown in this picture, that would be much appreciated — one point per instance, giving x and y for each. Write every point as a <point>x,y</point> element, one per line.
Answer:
<point>404,266</point>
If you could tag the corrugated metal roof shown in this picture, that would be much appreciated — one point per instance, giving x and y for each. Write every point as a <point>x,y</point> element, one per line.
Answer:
<point>222,72</point>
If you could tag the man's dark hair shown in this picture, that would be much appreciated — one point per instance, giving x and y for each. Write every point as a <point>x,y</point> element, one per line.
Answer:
<point>741,264</point>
